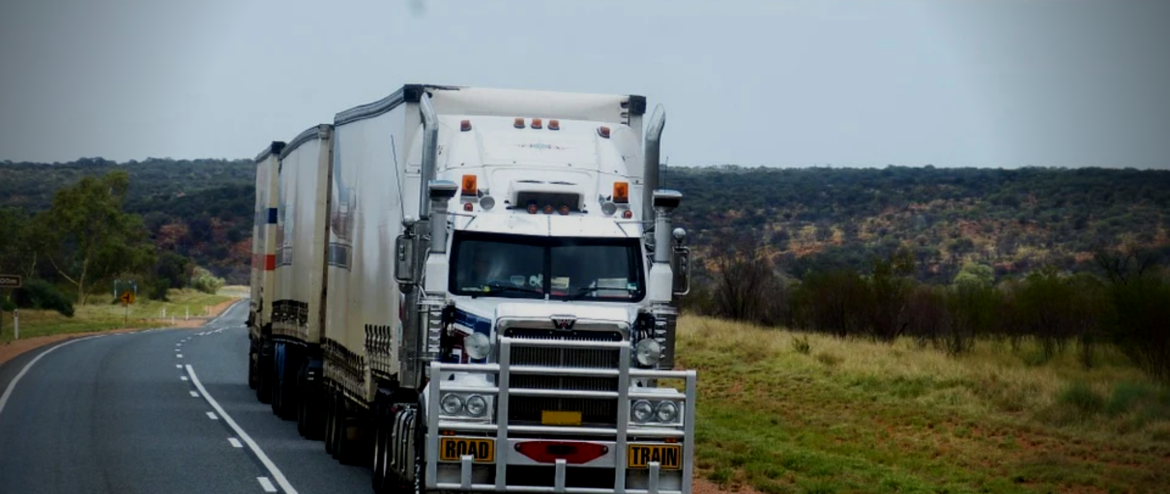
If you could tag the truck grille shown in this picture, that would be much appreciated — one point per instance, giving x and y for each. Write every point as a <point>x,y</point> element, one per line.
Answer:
<point>527,410</point>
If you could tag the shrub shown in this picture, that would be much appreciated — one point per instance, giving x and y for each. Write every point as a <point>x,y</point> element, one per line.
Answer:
<point>205,282</point>
<point>800,345</point>
<point>1081,397</point>
<point>7,305</point>
<point>42,295</point>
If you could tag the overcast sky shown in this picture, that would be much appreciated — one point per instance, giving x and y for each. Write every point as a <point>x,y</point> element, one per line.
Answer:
<point>778,83</point>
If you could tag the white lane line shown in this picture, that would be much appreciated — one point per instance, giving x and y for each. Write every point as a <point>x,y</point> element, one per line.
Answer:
<point>178,366</point>
<point>194,394</point>
<point>272,469</point>
<point>178,355</point>
<point>177,350</point>
<point>12,384</point>
<point>235,442</point>
<point>183,378</point>
<point>266,484</point>
<point>212,416</point>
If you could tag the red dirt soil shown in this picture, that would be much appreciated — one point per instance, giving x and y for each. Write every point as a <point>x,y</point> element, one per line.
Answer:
<point>11,349</point>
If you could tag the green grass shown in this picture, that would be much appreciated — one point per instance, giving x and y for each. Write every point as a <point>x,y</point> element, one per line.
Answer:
<point>857,416</point>
<point>102,316</point>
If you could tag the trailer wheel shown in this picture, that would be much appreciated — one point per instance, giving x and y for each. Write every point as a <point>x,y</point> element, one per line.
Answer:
<point>328,422</point>
<point>263,380</point>
<point>302,413</point>
<point>336,424</point>
<point>252,357</point>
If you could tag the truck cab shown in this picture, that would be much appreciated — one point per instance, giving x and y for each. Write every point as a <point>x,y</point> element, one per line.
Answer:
<point>552,285</point>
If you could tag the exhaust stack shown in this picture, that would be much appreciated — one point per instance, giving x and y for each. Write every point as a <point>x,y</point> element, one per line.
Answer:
<point>430,153</point>
<point>651,154</point>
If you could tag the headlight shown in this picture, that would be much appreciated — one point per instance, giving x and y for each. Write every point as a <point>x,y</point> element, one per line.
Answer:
<point>641,411</point>
<point>451,404</point>
<point>666,412</point>
<point>476,405</point>
<point>648,352</point>
<point>476,345</point>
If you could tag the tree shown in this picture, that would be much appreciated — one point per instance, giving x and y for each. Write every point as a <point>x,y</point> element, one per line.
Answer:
<point>976,274</point>
<point>88,237</point>
<point>16,250</point>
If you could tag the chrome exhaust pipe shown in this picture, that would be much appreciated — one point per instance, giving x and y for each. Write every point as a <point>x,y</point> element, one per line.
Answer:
<point>651,154</point>
<point>430,153</point>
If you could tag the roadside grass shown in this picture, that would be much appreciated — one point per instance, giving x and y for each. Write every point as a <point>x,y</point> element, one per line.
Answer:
<point>832,415</point>
<point>101,315</point>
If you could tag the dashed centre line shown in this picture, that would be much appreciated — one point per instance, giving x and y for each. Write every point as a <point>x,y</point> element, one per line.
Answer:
<point>212,416</point>
<point>182,378</point>
<point>266,484</point>
<point>235,442</point>
<point>194,394</point>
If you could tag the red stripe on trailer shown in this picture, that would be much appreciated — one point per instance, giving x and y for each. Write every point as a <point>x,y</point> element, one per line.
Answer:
<point>270,262</point>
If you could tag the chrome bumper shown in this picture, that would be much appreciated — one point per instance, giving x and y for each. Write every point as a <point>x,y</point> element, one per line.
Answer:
<point>619,436</point>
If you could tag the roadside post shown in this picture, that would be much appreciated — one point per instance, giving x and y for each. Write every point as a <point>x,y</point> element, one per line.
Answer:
<point>9,282</point>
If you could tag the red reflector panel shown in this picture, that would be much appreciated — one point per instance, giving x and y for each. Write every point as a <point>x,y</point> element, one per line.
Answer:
<point>574,453</point>
<point>269,262</point>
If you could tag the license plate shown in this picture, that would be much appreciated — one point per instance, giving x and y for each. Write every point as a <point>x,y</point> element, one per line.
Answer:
<point>668,456</point>
<point>553,417</point>
<point>453,449</point>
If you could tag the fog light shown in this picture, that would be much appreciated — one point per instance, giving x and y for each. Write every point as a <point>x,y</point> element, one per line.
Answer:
<point>476,345</point>
<point>641,411</point>
<point>452,404</point>
<point>666,412</point>
<point>648,352</point>
<point>476,406</point>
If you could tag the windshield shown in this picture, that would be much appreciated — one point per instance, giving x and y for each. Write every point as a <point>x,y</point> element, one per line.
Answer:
<point>519,266</point>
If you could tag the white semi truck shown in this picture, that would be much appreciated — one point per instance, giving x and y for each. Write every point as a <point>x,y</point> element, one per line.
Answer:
<point>474,288</point>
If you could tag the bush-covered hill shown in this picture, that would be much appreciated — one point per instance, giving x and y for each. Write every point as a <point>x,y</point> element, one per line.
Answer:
<point>201,209</point>
<point>1014,220</point>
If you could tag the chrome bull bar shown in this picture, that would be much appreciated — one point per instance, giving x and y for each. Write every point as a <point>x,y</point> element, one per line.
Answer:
<point>502,391</point>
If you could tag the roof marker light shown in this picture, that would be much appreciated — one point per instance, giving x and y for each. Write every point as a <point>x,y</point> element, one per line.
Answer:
<point>564,209</point>
<point>518,123</point>
<point>467,206</point>
<point>621,192</point>
<point>548,209</point>
<point>532,208</point>
<point>603,131</point>
<point>554,124</point>
<point>627,214</point>
<point>465,125</point>
<point>537,123</point>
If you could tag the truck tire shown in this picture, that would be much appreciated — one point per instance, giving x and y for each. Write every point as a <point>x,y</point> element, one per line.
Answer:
<point>285,401</point>
<point>420,438</point>
<point>379,424</point>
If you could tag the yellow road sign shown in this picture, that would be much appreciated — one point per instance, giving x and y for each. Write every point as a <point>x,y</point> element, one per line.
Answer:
<point>127,297</point>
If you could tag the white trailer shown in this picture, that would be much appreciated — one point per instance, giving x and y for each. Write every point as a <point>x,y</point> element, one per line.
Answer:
<point>498,314</point>
<point>263,260</point>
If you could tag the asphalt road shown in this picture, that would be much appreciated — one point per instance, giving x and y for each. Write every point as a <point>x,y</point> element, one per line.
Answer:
<point>145,412</point>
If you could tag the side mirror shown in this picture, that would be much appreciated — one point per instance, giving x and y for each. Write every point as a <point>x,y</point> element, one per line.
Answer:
<point>404,259</point>
<point>681,266</point>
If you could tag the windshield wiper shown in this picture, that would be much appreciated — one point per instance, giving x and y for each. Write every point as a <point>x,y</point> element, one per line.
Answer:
<point>500,287</point>
<point>587,290</point>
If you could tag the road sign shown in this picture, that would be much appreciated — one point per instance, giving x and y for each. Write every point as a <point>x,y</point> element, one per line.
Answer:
<point>9,281</point>
<point>127,297</point>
